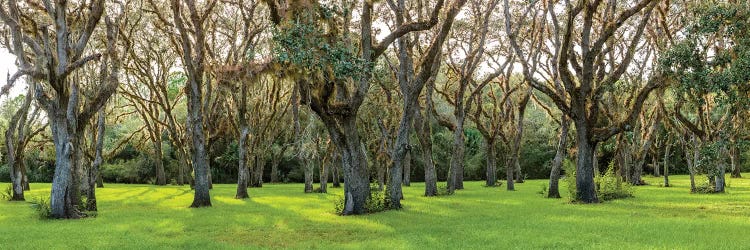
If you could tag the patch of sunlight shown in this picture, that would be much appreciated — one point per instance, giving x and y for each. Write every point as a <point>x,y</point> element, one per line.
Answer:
<point>325,215</point>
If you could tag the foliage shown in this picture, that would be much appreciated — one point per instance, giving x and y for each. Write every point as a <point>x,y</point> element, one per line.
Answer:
<point>610,186</point>
<point>570,178</point>
<point>304,44</point>
<point>377,202</point>
<point>7,193</point>
<point>42,207</point>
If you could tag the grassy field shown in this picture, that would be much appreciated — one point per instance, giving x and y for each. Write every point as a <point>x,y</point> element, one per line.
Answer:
<point>281,216</point>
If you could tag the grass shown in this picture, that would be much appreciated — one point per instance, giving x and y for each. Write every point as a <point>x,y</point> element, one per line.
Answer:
<point>282,216</point>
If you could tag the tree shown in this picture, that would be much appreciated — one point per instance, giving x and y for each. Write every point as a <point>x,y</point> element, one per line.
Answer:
<point>585,88</point>
<point>712,69</point>
<point>411,87</point>
<point>193,60</point>
<point>63,104</point>
<point>331,77</point>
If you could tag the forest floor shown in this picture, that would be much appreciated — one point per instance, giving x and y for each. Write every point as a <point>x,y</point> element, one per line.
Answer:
<point>281,216</point>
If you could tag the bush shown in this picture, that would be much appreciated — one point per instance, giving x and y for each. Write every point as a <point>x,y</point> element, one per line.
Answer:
<point>543,191</point>
<point>610,186</point>
<point>570,178</point>
<point>42,208</point>
<point>7,193</point>
<point>379,201</point>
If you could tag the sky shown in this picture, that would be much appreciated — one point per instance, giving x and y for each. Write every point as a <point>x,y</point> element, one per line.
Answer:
<point>8,66</point>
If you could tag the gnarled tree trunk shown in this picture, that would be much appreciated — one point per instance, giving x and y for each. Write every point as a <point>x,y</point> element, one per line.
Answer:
<point>562,148</point>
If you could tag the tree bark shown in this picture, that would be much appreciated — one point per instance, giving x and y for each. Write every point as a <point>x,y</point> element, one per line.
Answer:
<point>323,177</point>
<point>491,169</point>
<point>15,143</point>
<point>161,178</point>
<point>562,147</point>
<point>667,150</point>
<point>424,133</point>
<point>93,172</point>
<point>407,169</point>
<point>586,190</point>
<point>309,167</point>
<point>336,170</point>
<point>734,158</point>
<point>242,172</point>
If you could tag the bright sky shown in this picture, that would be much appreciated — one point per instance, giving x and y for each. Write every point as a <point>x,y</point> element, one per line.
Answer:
<point>8,66</point>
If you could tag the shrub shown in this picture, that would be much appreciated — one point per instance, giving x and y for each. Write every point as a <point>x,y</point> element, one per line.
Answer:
<point>570,178</point>
<point>610,186</point>
<point>42,208</point>
<point>543,191</point>
<point>379,201</point>
<point>7,193</point>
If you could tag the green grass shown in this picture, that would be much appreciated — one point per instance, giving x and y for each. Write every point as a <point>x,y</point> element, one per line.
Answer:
<point>281,216</point>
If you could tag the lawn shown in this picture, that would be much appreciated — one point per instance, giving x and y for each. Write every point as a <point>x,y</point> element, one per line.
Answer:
<point>281,216</point>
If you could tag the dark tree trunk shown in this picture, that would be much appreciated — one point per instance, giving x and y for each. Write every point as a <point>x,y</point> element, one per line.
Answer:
<point>257,176</point>
<point>94,169</point>
<point>667,149</point>
<point>721,166</point>
<point>655,163</point>
<point>509,170</point>
<point>242,172</point>
<point>161,178</point>
<point>202,197</point>
<point>336,170</point>
<point>562,148</point>
<point>15,143</point>
<point>61,200</point>
<point>424,133</point>
<point>309,167</point>
<point>455,173</point>
<point>586,190</point>
<point>734,158</point>
<point>407,169</point>
<point>491,173</point>
<point>343,133</point>
<point>323,177</point>
<point>400,151</point>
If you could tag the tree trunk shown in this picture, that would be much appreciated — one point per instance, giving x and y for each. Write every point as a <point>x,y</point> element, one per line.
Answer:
<point>655,163</point>
<point>380,168</point>
<point>323,177</point>
<point>491,173</point>
<point>260,165</point>
<point>242,172</point>
<point>161,178</point>
<point>94,169</point>
<point>309,167</point>
<point>424,133</point>
<point>407,169</point>
<point>667,149</point>
<point>343,133</point>
<point>734,158</point>
<point>692,160</point>
<point>455,176</point>
<point>585,188</point>
<point>15,144</point>
<point>509,171</point>
<point>336,170</point>
<point>562,148</point>
<point>61,200</point>
<point>721,170</point>
<point>202,197</point>
<point>400,150</point>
